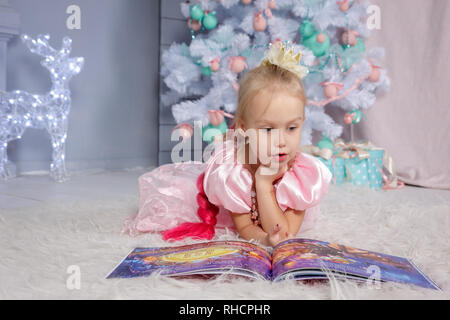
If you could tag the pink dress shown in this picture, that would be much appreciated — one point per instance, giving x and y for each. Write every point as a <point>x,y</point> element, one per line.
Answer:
<point>167,194</point>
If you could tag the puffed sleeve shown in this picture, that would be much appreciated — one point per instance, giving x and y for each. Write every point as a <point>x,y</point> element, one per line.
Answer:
<point>227,183</point>
<point>304,184</point>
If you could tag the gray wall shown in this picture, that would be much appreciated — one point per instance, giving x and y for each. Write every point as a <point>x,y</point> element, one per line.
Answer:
<point>114,118</point>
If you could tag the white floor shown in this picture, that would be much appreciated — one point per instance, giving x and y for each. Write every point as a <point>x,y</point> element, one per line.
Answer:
<point>46,228</point>
<point>37,188</point>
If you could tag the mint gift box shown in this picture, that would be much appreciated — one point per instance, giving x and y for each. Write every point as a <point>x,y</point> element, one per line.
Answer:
<point>365,172</point>
<point>338,171</point>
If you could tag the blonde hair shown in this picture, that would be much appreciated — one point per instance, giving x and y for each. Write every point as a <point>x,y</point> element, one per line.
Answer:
<point>266,77</point>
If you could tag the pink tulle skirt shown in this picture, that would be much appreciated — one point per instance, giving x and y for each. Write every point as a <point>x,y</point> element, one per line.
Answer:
<point>167,198</point>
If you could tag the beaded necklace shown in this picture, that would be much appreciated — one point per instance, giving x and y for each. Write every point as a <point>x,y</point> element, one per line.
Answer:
<point>254,211</point>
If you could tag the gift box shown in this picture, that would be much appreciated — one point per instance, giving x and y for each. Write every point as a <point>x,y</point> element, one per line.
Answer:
<point>365,172</point>
<point>358,163</point>
<point>337,169</point>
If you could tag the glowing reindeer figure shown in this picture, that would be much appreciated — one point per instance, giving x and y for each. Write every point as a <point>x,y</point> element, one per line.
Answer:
<point>20,110</point>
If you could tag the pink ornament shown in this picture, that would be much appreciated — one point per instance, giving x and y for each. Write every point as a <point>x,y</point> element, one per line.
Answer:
<point>349,37</point>
<point>235,86</point>
<point>331,89</point>
<point>272,4</point>
<point>246,2</point>
<point>343,5</point>
<point>321,38</point>
<point>238,64</point>
<point>194,24</point>
<point>268,13</point>
<point>259,22</point>
<point>215,117</point>
<point>348,118</point>
<point>215,64</point>
<point>185,131</point>
<point>375,74</point>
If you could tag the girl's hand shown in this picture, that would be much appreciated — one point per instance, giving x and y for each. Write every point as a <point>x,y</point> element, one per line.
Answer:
<point>275,237</point>
<point>268,174</point>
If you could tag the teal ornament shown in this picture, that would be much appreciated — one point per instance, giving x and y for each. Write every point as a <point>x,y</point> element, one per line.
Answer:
<point>210,21</point>
<point>359,45</point>
<point>206,71</point>
<point>325,143</point>
<point>197,12</point>
<point>318,49</point>
<point>357,115</point>
<point>307,29</point>
<point>310,39</point>
<point>209,131</point>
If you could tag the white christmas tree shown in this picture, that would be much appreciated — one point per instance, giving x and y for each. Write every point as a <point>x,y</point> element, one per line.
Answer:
<point>231,36</point>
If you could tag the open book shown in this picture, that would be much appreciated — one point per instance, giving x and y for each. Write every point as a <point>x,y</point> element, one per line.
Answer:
<point>300,259</point>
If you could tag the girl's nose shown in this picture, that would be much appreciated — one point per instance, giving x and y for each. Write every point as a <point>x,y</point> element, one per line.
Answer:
<point>281,139</point>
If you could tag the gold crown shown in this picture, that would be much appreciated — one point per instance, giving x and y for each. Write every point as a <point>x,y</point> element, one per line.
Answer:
<point>279,54</point>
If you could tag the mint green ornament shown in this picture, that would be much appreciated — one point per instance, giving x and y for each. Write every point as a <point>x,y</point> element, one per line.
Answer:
<point>359,45</point>
<point>197,12</point>
<point>325,143</point>
<point>307,29</point>
<point>318,49</point>
<point>209,131</point>
<point>357,115</point>
<point>210,21</point>
<point>310,39</point>
<point>206,71</point>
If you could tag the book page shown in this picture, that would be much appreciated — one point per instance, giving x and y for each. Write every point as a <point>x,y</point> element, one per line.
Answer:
<point>212,256</point>
<point>297,254</point>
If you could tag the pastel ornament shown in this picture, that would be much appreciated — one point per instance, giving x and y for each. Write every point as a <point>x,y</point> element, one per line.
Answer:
<point>331,89</point>
<point>307,29</point>
<point>321,37</point>
<point>210,21</point>
<point>360,45</point>
<point>206,71</point>
<point>238,64</point>
<point>318,42</point>
<point>375,74</point>
<point>356,115</point>
<point>195,25</point>
<point>349,38</point>
<point>272,4</point>
<point>246,2</point>
<point>325,143</point>
<point>215,64</point>
<point>196,12</point>
<point>185,131</point>
<point>210,131</point>
<point>259,22</point>
<point>348,118</point>
<point>215,117</point>
<point>343,5</point>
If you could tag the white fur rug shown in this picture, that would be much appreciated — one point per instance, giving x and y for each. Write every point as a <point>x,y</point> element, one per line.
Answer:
<point>38,244</point>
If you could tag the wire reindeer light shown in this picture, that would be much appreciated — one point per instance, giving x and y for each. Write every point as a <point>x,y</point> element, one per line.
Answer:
<point>20,110</point>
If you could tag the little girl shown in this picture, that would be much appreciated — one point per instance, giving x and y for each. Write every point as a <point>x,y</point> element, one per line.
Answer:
<point>263,187</point>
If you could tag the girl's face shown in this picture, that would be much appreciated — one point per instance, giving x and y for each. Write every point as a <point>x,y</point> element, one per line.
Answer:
<point>277,127</point>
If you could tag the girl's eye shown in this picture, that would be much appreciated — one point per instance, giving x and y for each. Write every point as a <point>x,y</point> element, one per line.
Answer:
<point>267,129</point>
<point>292,128</point>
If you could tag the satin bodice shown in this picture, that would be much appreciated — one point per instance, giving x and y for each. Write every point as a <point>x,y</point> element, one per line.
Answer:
<point>228,183</point>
